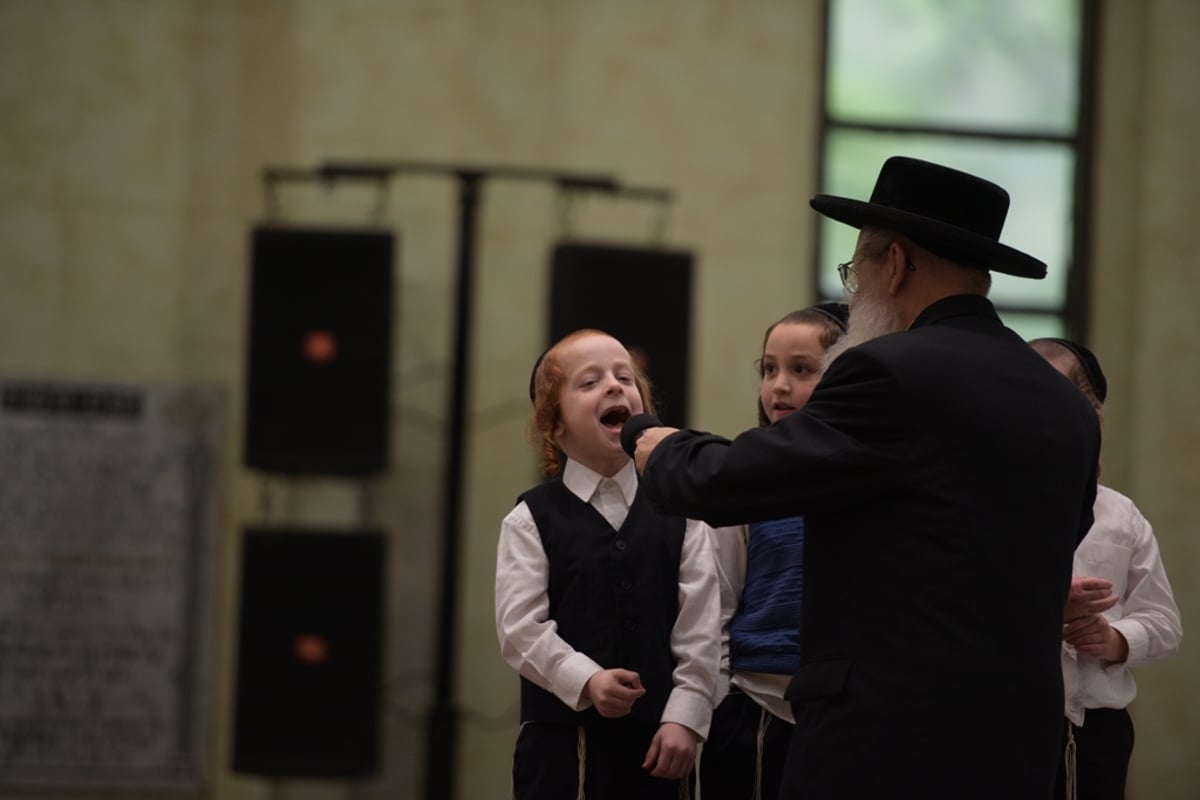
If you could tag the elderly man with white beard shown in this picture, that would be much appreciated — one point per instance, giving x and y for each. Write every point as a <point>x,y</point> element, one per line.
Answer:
<point>945,475</point>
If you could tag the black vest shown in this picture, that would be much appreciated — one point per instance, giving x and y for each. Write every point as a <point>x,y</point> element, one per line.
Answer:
<point>614,595</point>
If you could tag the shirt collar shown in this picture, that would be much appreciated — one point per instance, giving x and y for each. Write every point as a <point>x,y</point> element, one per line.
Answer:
<point>582,481</point>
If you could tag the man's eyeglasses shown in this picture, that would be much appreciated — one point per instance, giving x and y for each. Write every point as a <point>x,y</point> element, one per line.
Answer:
<point>849,276</point>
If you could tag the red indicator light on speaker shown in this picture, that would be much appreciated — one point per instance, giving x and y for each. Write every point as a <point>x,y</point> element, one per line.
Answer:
<point>311,649</point>
<point>320,347</point>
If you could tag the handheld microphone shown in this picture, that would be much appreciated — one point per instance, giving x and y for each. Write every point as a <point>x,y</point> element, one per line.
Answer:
<point>634,427</point>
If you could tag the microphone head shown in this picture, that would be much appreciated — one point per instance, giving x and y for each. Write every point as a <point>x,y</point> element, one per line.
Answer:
<point>633,428</point>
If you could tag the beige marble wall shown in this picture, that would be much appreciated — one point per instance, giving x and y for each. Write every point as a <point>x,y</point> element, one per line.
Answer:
<point>1147,333</point>
<point>94,142</point>
<point>132,133</point>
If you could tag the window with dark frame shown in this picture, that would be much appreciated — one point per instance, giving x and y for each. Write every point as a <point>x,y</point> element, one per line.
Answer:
<point>999,89</point>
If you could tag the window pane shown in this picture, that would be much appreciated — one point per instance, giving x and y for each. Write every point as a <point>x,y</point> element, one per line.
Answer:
<point>1009,65</point>
<point>837,245</point>
<point>1034,326</point>
<point>1037,176</point>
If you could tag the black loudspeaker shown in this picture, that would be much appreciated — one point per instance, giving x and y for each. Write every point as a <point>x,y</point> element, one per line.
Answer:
<point>642,297</point>
<point>319,351</point>
<point>309,653</point>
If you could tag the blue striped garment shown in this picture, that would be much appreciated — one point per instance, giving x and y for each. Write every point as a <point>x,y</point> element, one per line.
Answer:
<point>765,632</point>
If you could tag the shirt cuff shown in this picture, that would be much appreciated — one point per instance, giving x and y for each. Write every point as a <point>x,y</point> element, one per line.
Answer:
<point>690,709</point>
<point>571,677</point>
<point>1137,639</point>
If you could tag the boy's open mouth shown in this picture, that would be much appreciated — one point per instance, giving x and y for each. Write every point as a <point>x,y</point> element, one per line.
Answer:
<point>615,417</point>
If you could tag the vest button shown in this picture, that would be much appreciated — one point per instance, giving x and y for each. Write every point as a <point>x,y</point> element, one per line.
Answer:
<point>626,585</point>
<point>620,544</point>
<point>630,624</point>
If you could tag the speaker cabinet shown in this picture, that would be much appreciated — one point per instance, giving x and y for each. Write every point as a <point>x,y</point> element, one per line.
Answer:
<point>319,351</point>
<point>642,297</point>
<point>309,653</point>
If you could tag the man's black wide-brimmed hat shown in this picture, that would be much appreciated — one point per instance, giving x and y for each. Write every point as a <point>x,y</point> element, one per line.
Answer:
<point>953,214</point>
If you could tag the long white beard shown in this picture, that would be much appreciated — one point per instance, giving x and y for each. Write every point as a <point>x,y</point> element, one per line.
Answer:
<point>870,318</point>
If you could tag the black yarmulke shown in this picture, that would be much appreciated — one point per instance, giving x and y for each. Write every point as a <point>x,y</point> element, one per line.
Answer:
<point>1090,364</point>
<point>838,312</point>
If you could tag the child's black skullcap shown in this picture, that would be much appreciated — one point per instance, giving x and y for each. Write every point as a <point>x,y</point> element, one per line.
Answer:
<point>533,376</point>
<point>838,312</point>
<point>1091,365</point>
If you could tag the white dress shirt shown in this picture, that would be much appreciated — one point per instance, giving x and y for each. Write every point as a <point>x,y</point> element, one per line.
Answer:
<point>1120,547</point>
<point>529,641</point>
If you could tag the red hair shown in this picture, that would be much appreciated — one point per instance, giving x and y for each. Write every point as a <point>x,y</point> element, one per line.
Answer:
<point>548,380</point>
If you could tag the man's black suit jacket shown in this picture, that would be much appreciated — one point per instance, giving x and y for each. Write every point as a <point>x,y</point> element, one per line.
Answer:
<point>945,474</point>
